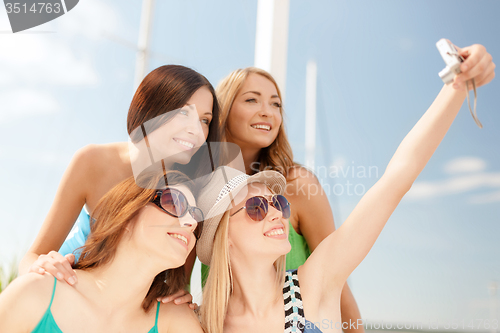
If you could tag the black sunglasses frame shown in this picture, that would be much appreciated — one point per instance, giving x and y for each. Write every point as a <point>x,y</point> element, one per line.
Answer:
<point>191,209</point>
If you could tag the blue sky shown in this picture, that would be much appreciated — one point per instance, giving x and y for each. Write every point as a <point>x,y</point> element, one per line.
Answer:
<point>69,83</point>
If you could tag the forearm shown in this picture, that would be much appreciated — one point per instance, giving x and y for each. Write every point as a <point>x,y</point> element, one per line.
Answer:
<point>350,312</point>
<point>363,226</point>
<point>28,259</point>
<point>421,142</point>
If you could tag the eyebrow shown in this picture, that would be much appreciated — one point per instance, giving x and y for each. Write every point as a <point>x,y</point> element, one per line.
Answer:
<point>258,93</point>
<point>209,113</point>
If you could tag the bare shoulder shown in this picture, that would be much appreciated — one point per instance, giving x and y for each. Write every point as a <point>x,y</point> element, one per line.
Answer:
<point>178,318</point>
<point>25,301</point>
<point>300,173</point>
<point>301,183</point>
<point>96,153</point>
<point>94,160</point>
<point>32,285</point>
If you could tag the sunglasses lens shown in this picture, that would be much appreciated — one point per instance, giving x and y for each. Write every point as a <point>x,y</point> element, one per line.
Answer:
<point>282,204</point>
<point>197,214</point>
<point>174,202</point>
<point>256,208</point>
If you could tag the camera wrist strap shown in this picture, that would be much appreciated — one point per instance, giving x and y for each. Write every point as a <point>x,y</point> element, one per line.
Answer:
<point>473,113</point>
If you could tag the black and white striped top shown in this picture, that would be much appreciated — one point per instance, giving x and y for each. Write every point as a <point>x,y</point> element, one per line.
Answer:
<point>295,320</point>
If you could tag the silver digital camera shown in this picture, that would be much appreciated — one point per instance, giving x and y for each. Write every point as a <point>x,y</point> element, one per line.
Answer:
<point>451,58</point>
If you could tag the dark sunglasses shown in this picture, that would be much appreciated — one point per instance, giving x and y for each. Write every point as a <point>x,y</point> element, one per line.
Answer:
<point>174,203</point>
<point>257,207</point>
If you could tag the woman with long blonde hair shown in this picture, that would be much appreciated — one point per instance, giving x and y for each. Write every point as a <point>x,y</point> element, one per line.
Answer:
<point>246,230</point>
<point>252,116</point>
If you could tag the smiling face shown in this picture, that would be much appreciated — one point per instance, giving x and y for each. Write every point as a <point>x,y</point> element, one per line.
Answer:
<point>181,136</point>
<point>255,116</point>
<point>257,239</point>
<point>160,235</point>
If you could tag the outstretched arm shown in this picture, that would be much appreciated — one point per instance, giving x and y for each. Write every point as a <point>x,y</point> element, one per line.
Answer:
<point>341,252</point>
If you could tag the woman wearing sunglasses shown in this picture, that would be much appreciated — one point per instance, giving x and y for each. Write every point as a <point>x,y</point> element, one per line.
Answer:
<point>245,236</point>
<point>133,255</point>
<point>252,117</point>
<point>172,113</point>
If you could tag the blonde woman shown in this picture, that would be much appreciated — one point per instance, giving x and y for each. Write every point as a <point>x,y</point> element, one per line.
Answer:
<point>133,255</point>
<point>252,117</point>
<point>245,236</point>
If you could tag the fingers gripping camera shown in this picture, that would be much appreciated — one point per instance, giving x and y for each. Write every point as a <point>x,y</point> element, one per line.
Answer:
<point>451,58</point>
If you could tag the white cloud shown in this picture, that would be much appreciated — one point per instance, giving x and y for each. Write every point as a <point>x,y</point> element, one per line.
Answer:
<point>468,175</point>
<point>23,103</point>
<point>465,164</point>
<point>460,184</point>
<point>485,198</point>
<point>42,59</point>
<point>90,19</point>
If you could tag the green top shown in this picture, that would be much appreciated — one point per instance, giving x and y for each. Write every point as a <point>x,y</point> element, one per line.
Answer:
<point>48,325</point>
<point>300,250</point>
<point>296,257</point>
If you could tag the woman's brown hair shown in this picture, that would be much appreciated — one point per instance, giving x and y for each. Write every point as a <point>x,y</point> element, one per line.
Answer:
<point>278,156</point>
<point>113,214</point>
<point>165,89</point>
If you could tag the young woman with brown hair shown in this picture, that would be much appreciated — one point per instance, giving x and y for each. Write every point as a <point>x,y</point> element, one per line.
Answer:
<point>139,240</point>
<point>165,97</point>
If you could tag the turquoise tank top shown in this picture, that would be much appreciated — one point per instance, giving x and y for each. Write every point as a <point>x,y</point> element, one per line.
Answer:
<point>48,325</point>
<point>77,236</point>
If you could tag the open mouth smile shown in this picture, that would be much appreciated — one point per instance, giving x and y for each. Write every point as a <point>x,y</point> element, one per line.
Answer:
<point>184,143</point>
<point>261,127</point>
<point>276,232</point>
<point>179,237</point>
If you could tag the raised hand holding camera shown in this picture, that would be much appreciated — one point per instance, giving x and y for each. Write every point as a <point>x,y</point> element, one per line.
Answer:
<point>470,63</point>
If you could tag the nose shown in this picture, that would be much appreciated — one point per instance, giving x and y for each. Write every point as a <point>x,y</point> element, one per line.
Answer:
<point>265,110</point>
<point>274,214</point>
<point>193,128</point>
<point>187,221</point>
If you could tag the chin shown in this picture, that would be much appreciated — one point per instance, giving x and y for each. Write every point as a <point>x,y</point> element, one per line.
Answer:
<point>281,249</point>
<point>287,248</point>
<point>183,158</point>
<point>263,145</point>
<point>177,262</point>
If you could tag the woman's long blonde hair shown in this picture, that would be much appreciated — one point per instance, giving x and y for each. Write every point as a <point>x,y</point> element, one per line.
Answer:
<point>278,156</point>
<point>219,285</point>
